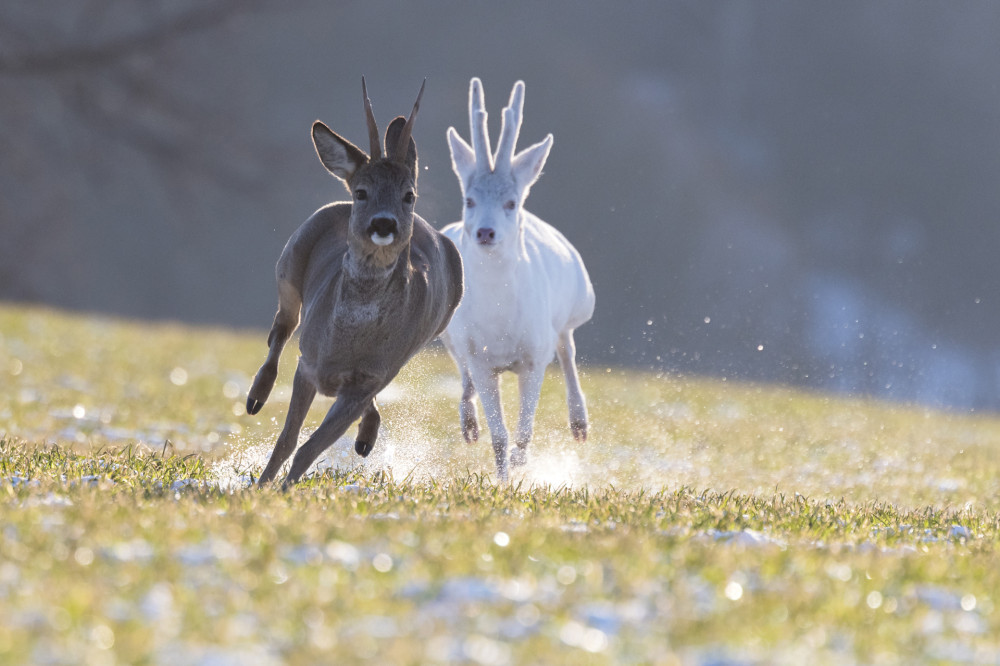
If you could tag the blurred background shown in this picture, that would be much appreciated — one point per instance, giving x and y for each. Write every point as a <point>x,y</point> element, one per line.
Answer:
<point>796,192</point>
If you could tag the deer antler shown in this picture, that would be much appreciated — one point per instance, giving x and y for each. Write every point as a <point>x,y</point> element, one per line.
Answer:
<point>510,128</point>
<point>403,144</point>
<point>375,146</point>
<point>477,123</point>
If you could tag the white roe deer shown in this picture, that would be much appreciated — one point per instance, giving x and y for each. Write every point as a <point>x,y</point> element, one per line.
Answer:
<point>526,288</point>
<point>374,282</point>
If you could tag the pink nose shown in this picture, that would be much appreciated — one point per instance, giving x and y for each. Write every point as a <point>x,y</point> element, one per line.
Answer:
<point>485,235</point>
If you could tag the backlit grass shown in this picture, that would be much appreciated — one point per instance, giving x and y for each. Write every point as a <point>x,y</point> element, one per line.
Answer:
<point>702,522</point>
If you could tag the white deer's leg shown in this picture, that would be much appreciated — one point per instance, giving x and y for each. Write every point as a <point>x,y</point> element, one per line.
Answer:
<point>285,322</point>
<point>487,382</point>
<point>467,409</point>
<point>530,385</point>
<point>303,393</point>
<point>566,351</point>
<point>467,405</point>
<point>368,430</point>
<point>346,410</point>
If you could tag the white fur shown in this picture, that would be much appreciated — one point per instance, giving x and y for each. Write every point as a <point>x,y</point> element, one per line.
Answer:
<point>383,240</point>
<point>524,294</point>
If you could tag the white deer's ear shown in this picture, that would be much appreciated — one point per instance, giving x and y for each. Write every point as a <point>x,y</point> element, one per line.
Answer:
<point>463,159</point>
<point>527,164</point>
<point>340,157</point>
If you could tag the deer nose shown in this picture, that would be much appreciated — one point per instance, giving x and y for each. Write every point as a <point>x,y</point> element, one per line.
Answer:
<point>485,235</point>
<point>383,227</point>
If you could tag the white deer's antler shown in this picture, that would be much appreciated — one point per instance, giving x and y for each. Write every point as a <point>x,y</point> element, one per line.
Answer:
<point>510,128</point>
<point>477,125</point>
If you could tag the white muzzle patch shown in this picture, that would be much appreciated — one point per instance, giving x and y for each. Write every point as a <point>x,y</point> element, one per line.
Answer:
<point>383,240</point>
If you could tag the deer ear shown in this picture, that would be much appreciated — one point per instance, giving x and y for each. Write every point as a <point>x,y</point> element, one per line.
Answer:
<point>463,158</point>
<point>527,164</point>
<point>338,155</point>
<point>392,133</point>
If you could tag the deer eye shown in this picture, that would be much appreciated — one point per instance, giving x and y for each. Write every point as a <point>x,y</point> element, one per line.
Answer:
<point>509,205</point>
<point>361,195</point>
<point>409,198</point>
<point>469,203</point>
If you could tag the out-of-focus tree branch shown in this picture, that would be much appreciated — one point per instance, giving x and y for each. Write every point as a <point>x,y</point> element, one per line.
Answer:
<point>85,82</point>
<point>169,26</point>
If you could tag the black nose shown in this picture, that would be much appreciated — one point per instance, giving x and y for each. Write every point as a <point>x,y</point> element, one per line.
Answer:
<point>383,226</point>
<point>485,235</point>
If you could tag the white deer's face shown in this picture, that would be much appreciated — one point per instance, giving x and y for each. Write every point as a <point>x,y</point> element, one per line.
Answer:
<point>492,211</point>
<point>495,186</point>
<point>383,194</point>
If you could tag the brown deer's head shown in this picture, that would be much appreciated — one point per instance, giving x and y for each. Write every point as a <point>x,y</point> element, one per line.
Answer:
<point>383,189</point>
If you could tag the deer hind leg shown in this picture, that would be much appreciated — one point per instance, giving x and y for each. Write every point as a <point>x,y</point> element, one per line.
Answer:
<point>285,323</point>
<point>566,351</point>
<point>530,387</point>
<point>368,430</point>
<point>303,393</point>
<point>346,410</point>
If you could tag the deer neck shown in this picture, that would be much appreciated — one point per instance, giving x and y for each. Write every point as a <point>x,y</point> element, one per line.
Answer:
<point>364,278</point>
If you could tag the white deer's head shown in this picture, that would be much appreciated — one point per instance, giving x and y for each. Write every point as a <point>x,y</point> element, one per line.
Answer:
<point>383,188</point>
<point>495,186</point>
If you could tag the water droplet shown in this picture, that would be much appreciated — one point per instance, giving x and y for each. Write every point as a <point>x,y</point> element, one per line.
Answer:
<point>84,556</point>
<point>501,539</point>
<point>566,574</point>
<point>178,376</point>
<point>382,563</point>
<point>79,411</point>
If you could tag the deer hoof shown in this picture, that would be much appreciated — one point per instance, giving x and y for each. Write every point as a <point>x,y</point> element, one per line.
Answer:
<point>518,457</point>
<point>470,430</point>
<point>261,388</point>
<point>579,429</point>
<point>363,448</point>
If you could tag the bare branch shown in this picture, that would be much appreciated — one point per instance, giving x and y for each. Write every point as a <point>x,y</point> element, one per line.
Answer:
<point>149,38</point>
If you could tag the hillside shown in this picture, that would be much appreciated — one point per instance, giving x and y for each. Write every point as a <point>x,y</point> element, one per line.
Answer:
<point>702,523</point>
<point>96,382</point>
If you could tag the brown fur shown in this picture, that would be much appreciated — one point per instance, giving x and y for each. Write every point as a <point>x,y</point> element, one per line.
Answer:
<point>366,309</point>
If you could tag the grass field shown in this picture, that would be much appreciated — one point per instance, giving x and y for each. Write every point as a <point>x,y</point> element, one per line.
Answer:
<point>703,522</point>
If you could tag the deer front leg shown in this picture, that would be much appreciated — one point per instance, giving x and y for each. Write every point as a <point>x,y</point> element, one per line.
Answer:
<point>530,386</point>
<point>303,393</point>
<point>487,382</point>
<point>368,430</point>
<point>346,410</point>
<point>467,409</point>
<point>566,351</point>
<point>285,322</point>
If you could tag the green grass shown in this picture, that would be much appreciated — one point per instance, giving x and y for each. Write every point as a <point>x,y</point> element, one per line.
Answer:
<point>702,522</point>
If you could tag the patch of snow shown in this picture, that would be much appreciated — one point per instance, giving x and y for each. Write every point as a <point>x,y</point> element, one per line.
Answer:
<point>959,532</point>
<point>746,538</point>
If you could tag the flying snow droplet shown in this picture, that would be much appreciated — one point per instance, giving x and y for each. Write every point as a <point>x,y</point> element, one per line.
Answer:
<point>178,376</point>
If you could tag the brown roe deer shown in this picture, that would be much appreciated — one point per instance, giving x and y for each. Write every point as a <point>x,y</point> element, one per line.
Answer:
<point>373,282</point>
